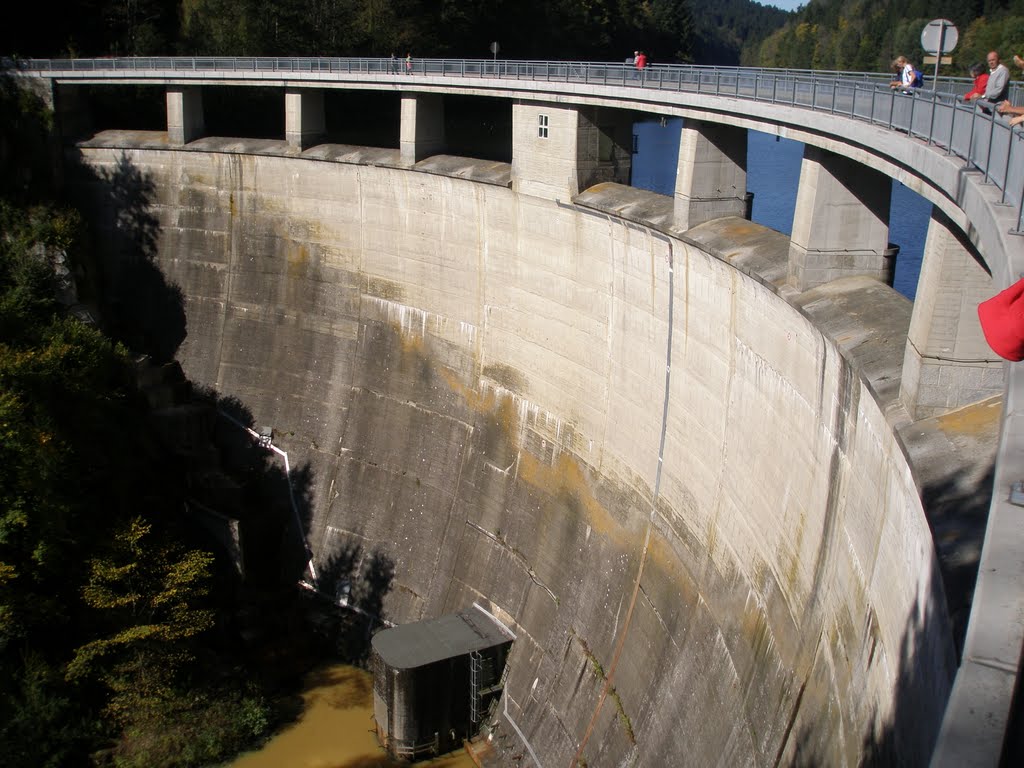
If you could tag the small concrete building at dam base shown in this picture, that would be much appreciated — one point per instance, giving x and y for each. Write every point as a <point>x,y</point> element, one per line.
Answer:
<point>693,464</point>
<point>435,681</point>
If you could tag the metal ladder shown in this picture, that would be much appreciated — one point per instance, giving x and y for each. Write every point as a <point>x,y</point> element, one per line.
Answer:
<point>476,665</point>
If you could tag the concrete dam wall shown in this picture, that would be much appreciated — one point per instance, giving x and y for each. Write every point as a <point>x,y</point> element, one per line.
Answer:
<point>661,475</point>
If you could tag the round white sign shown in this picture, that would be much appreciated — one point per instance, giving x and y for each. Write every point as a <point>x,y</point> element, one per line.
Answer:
<point>940,32</point>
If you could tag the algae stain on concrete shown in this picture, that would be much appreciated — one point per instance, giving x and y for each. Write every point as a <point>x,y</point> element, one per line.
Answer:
<point>506,376</point>
<point>793,571</point>
<point>384,289</point>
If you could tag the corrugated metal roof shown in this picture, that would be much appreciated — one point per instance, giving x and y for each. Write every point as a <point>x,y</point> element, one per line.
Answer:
<point>425,642</point>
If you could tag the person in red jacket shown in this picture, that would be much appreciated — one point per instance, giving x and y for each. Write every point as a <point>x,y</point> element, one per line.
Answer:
<point>980,75</point>
<point>640,59</point>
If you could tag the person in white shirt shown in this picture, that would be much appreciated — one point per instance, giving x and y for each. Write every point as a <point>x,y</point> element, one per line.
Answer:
<point>906,72</point>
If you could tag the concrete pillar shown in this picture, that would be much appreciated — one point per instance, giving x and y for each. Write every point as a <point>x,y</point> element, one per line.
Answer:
<point>422,129</point>
<point>711,175</point>
<point>184,114</point>
<point>841,225</point>
<point>947,363</point>
<point>545,150</point>
<point>304,121</point>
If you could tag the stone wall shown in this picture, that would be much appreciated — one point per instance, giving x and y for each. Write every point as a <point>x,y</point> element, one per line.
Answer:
<point>648,464</point>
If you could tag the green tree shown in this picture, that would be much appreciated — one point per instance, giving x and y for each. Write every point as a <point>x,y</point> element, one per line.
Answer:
<point>146,593</point>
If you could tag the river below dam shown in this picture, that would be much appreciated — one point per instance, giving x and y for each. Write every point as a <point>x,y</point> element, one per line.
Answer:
<point>335,729</point>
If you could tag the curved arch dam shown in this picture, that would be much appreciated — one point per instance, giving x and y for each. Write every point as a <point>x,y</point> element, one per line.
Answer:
<point>663,474</point>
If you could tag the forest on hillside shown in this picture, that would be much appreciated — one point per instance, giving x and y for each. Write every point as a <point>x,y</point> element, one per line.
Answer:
<point>866,35</point>
<point>606,30</point>
<point>860,35</point>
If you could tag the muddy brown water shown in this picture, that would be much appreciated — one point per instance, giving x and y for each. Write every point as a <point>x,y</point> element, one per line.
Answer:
<point>335,729</point>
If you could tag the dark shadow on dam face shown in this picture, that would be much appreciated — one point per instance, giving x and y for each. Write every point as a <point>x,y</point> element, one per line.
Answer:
<point>275,506</point>
<point>350,578</point>
<point>137,305</point>
<point>140,307</point>
<point>958,515</point>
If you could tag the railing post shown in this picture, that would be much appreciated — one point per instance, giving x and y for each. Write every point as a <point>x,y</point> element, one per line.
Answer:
<point>910,125</point>
<point>988,152</point>
<point>1006,171</point>
<point>1020,212</point>
<point>952,129</point>
<point>970,139</point>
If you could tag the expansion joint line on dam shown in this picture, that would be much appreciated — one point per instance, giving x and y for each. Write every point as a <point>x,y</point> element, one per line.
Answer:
<point>654,507</point>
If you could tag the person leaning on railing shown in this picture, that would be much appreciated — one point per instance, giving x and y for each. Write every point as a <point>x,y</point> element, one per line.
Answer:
<point>905,69</point>
<point>980,82</point>
<point>998,84</point>
<point>1006,108</point>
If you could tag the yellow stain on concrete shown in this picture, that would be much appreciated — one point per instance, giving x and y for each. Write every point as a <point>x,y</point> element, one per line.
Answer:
<point>298,261</point>
<point>977,419</point>
<point>565,478</point>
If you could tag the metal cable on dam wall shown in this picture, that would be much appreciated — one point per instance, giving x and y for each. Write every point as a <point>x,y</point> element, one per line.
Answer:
<point>477,382</point>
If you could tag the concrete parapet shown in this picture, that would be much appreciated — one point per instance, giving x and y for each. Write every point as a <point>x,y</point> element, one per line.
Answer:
<point>304,121</point>
<point>841,224</point>
<point>422,130</point>
<point>711,177</point>
<point>185,120</point>
<point>947,363</point>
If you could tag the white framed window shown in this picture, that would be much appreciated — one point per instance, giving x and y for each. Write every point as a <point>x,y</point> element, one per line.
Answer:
<point>542,126</point>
